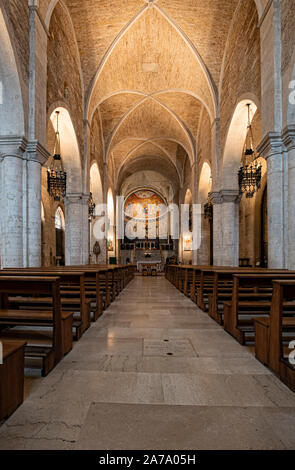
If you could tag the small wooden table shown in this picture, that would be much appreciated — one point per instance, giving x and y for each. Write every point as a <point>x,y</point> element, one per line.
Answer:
<point>11,377</point>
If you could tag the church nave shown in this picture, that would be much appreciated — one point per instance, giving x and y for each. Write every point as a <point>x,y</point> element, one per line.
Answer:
<point>154,372</point>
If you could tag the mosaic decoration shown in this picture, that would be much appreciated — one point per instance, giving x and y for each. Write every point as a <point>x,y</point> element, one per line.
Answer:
<point>143,204</point>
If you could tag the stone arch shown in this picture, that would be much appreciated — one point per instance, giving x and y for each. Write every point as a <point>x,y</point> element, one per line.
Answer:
<point>129,155</point>
<point>91,100</point>
<point>175,118</point>
<point>69,149</point>
<point>205,183</point>
<point>188,198</point>
<point>290,98</point>
<point>12,121</point>
<point>235,141</point>
<point>59,224</point>
<point>259,8</point>
<point>59,218</point>
<point>95,184</point>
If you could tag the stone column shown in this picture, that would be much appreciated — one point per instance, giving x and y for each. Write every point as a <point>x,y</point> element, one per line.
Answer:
<point>195,253</point>
<point>271,148</point>
<point>77,229</point>
<point>203,253</point>
<point>289,141</point>
<point>217,224</point>
<point>12,153</point>
<point>36,157</point>
<point>230,227</point>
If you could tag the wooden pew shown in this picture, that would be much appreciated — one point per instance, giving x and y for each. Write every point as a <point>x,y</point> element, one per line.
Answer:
<point>223,285</point>
<point>205,278</point>
<point>239,314</point>
<point>92,282</point>
<point>71,300</point>
<point>275,333</point>
<point>11,377</point>
<point>102,282</point>
<point>221,279</point>
<point>49,348</point>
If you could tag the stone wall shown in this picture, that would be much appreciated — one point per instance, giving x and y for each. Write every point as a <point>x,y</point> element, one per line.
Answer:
<point>96,145</point>
<point>204,141</point>
<point>16,15</point>
<point>64,81</point>
<point>241,65</point>
<point>288,32</point>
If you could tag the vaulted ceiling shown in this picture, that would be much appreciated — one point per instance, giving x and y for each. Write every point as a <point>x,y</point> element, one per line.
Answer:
<point>151,68</point>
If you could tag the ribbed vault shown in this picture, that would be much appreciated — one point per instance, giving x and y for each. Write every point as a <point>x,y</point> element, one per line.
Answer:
<point>151,72</point>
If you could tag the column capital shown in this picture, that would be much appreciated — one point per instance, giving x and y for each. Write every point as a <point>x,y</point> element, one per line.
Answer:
<point>37,153</point>
<point>289,137</point>
<point>215,197</point>
<point>77,198</point>
<point>271,145</point>
<point>224,196</point>
<point>230,195</point>
<point>12,146</point>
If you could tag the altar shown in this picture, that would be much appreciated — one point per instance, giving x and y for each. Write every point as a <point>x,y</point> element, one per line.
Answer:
<point>151,264</point>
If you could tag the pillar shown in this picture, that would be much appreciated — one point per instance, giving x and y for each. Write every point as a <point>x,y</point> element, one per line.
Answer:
<point>230,227</point>
<point>289,141</point>
<point>77,230</point>
<point>12,152</point>
<point>217,221</point>
<point>225,227</point>
<point>36,157</point>
<point>203,253</point>
<point>271,148</point>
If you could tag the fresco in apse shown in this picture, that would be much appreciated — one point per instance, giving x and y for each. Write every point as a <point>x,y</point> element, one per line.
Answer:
<point>143,204</point>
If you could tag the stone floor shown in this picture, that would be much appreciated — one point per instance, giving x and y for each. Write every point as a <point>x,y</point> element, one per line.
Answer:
<point>154,373</point>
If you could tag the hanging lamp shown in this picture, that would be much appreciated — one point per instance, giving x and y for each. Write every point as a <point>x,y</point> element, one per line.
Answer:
<point>56,176</point>
<point>250,170</point>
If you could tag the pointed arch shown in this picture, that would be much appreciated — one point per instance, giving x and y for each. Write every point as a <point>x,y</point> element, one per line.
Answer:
<point>129,155</point>
<point>205,182</point>
<point>108,54</point>
<point>235,141</point>
<point>69,149</point>
<point>96,184</point>
<point>12,119</point>
<point>195,52</point>
<point>181,34</point>
<point>191,153</point>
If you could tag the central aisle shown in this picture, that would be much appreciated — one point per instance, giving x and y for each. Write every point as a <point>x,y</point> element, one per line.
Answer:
<point>155,372</point>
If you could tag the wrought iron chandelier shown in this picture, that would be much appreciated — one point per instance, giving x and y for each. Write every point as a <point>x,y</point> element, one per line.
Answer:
<point>91,207</point>
<point>56,176</point>
<point>250,170</point>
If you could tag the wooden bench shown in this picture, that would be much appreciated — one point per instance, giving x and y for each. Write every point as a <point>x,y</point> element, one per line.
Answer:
<point>239,313</point>
<point>216,287</point>
<point>205,284</point>
<point>31,325</point>
<point>73,297</point>
<point>11,377</point>
<point>94,278</point>
<point>274,334</point>
<point>223,285</point>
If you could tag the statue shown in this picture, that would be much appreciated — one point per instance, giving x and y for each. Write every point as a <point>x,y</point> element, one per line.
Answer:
<point>96,250</point>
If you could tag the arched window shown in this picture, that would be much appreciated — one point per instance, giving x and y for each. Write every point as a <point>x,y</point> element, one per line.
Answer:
<point>60,237</point>
<point>59,219</point>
